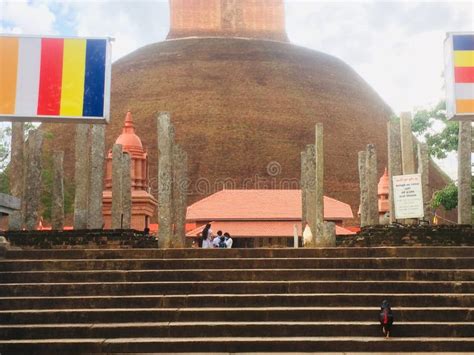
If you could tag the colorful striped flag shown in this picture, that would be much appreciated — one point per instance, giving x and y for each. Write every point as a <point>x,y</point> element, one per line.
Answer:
<point>460,74</point>
<point>55,77</point>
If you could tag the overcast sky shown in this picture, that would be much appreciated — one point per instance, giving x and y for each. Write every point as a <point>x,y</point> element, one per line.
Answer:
<point>396,46</point>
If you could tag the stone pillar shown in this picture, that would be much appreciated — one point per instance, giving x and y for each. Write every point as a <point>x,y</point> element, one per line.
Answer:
<point>165,179</point>
<point>369,205</point>
<point>57,205</point>
<point>126,192</point>
<point>329,235</point>
<point>372,182</point>
<point>394,161</point>
<point>408,153</point>
<point>464,173</point>
<point>117,186</point>
<point>96,178</point>
<point>32,191</point>
<point>308,184</point>
<point>180,179</point>
<point>363,189</point>
<point>319,186</point>
<point>423,170</point>
<point>17,167</point>
<point>81,176</point>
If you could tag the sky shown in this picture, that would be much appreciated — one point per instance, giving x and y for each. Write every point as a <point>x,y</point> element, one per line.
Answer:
<point>396,46</point>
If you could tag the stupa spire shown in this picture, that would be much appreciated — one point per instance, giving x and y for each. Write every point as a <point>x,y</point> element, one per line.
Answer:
<point>263,19</point>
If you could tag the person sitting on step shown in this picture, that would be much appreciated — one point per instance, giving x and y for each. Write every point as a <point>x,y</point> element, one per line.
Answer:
<point>217,239</point>
<point>228,240</point>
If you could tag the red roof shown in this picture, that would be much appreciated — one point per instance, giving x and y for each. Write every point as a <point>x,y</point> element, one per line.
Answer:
<point>249,229</point>
<point>260,205</point>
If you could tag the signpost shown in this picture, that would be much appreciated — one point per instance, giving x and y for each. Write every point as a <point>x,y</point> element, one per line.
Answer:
<point>51,79</point>
<point>408,196</point>
<point>459,75</point>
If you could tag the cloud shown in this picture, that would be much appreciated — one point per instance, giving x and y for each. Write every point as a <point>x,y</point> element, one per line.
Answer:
<point>26,17</point>
<point>132,23</point>
<point>397,47</point>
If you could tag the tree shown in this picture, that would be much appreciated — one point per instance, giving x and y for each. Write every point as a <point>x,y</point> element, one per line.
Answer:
<point>446,197</point>
<point>443,141</point>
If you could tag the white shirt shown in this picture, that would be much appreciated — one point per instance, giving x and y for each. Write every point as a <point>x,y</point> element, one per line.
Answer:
<point>228,242</point>
<point>216,241</point>
<point>206,243</point>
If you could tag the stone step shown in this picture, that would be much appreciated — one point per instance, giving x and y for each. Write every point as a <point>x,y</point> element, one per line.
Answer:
<point>36,254</point>
<point>235,263</point>
<point>232,287</point>
<point>239,300</point>
<point>231,329</point>
<point>238,344</point>
<point>213,314</point>
<point>236,275</point>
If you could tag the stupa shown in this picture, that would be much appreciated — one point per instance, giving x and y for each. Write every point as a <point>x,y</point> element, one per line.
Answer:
<point>143,203</point>
<point>244,100</point>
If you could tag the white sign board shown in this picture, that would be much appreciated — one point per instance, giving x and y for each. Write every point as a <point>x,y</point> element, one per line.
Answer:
<point>408,196</point>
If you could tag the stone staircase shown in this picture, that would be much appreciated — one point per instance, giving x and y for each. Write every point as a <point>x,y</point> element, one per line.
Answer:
<point>191,300</point>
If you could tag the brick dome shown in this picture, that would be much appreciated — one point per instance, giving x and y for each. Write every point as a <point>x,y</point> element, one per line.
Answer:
<point>241,105</point>
<point>244,109</point>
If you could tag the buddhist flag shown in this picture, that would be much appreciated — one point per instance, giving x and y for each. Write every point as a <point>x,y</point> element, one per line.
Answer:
<point>459,74</point>
<point>61,79</point>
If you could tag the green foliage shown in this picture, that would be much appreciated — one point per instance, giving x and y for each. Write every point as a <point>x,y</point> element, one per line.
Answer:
<point>443,141</point>
<point>447,197</point>
<point>4,182</point>
<point>4,147</point>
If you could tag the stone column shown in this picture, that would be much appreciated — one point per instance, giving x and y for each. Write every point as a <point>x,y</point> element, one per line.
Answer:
<point>319,186</point>
<point>408,153</point>
<point>372,182</point>
<point>57,206</point>
<point>394,161</point>
<point>369,206</point>
<point>329,235</point>
<point>180,179</point>
<point>32,192</point>
<point>423,170</point>
<point>363,189</point>
<point>464,173</point>
<point>308,184</point>
<point>117,186</point>
<point>165,179</point>
<point>17,167</point>
<point>81,176</point>
<point>96,178</point>
<point>126,192</point>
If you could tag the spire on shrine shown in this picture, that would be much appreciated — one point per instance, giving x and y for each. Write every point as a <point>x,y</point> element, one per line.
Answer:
<point>262,19</point>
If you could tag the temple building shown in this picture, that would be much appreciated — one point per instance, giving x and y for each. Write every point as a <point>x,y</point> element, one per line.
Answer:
<point>260,218</point>
<point>143,203</point>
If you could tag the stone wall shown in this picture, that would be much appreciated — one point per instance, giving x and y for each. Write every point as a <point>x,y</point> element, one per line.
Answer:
<point>442,235</point>
<point>81,239</point>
